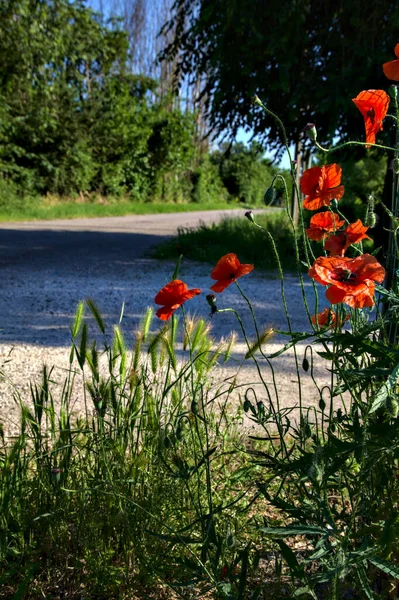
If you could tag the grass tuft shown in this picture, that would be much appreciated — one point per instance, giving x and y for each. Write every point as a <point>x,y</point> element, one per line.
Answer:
<point>209,242</point>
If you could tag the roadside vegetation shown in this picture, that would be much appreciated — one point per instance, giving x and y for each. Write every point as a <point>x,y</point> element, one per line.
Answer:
<point>208,242</point>
<point>135,476</point>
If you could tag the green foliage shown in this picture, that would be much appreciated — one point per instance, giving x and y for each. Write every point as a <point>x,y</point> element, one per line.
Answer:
<point>210,242</point>
<point>208,186</point>
<point>245,173</point>
<point>300,57</point>
<point>110,496</point>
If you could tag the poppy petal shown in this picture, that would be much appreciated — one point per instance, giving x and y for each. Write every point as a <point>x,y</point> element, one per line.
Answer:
<point>323,199</point>
<point>190,294</point>
<point>310,180</point>
<point>333,175</point>
<point>336,244</point>
<point>373,104</point>
<point>165,312</point>
<point>221,285</point>
<point>171,293</point>
<point>226,267</point>
<point>335,295</point>
<point>243,270</point>
<point>391,69</point>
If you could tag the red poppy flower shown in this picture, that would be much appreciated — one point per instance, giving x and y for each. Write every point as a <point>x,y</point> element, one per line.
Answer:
<point>322,224</point>
<point>227,270</point>
<point>351,280</point>
<point>172,296</point>
<point>391,68</point>
<point>327,317</point>
<point>373,104</point>
<point>337,244</point>
<point>320,185</point>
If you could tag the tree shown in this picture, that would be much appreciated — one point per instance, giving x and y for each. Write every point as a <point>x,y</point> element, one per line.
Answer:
<point>305,59</point>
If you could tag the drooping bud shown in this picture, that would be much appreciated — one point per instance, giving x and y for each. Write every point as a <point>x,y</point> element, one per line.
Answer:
<point>246,405</point>
<point>334,204</point>
<point>395,166</point>
<point>311,131</point>
<point>305,365</point>
<point>56,475</point>
<point>270,196</point>
<point>250,216</point>
<point>256,101</point>
<point>211,299</point>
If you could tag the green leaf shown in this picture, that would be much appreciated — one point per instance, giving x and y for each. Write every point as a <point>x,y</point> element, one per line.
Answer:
<point>385,390</point>
<point>385,566</point>
<point>291,560</point>
<point>362,575</point>
<point>291,530</point>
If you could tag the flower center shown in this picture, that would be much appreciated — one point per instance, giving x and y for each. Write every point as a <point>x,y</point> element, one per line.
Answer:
<point>344,275</point>
<point>371,114</point>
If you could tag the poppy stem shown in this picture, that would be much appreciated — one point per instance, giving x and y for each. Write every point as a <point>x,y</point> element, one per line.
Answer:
<point>352,143</point>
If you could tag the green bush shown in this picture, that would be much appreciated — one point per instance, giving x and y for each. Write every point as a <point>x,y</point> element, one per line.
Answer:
<point>245,173</point>
<point>207,184</point>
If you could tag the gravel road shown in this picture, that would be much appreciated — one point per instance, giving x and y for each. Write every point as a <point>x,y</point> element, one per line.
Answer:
<point>48,267</point>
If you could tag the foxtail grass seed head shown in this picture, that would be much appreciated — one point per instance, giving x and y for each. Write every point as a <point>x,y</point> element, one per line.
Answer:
<point>250,216</point>
<point>311,131</point>
<point>264,337</point>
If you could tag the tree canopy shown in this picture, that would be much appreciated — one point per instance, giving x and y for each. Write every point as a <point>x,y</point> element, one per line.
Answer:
<point>306,60</point>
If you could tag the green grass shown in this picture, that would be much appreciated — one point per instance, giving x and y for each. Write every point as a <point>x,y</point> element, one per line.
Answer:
<point>38,211</point>
<point>209,242</point>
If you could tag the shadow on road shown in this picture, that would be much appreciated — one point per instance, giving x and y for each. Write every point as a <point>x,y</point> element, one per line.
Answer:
<point>30,248</point>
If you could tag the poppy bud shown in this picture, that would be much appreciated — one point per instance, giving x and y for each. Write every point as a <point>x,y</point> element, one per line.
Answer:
<point>56,475</point>
<point>370,218</point>
<point>322,404</point>
<point>305,365</point>
<point>250,216</point>
<point>395,166</point>
<point>334,204</point>
<point>211,299</point>
<point>261,407</point>
<point>311,131</point>
<point>246,405</point>
<point>194,407</point>
<point>393,91</point>
<point>270,196</point>
<point>256,101</point>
